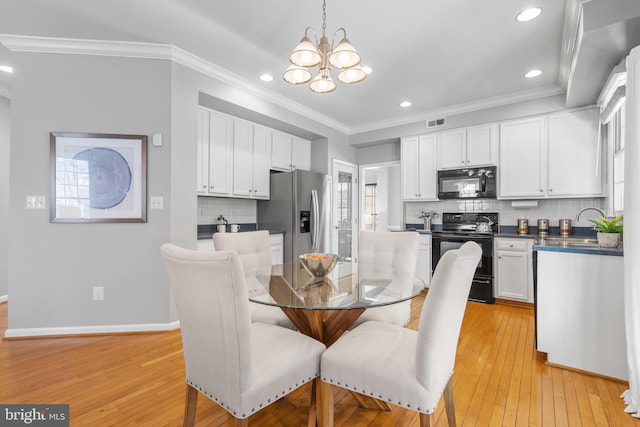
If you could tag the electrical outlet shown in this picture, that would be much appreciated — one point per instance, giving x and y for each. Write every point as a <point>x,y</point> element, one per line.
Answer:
<point>98,293</point>
<point>157,202</point>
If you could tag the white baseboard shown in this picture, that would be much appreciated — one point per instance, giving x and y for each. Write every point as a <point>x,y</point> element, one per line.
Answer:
<point>4,298</point>
<point>90,330</point>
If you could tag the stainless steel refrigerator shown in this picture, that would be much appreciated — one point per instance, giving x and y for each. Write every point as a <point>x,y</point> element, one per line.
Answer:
<point>300,206</point>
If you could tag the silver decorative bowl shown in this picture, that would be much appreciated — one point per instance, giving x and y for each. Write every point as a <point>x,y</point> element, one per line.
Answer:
<point>319,265</point>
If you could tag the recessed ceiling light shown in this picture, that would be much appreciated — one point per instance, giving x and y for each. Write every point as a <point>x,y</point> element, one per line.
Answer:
<point>266,77</point>
<point>6,68</point>
<point>367,69</point>
<point>405,104</point>
<point>528,14</point>
<point>533,73</point>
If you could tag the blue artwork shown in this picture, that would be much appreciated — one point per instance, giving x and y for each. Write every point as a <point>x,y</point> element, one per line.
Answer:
<point>109,177</point>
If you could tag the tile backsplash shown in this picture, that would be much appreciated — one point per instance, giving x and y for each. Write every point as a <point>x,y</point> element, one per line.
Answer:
<point>236,211</point>
<point>550,209</point>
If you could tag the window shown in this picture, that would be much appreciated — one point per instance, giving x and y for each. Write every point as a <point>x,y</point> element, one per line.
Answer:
<point>370,202</point>
<point>617,134</point>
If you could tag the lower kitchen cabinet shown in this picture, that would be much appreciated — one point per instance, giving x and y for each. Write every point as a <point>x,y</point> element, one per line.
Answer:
<point>423,266</point>
<point>277,247</point>
<point>514,268</point>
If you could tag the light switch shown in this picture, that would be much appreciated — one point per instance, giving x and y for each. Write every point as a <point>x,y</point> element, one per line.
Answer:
<point>156,202</point>
<point>156,139</point>
<point>36,202</point>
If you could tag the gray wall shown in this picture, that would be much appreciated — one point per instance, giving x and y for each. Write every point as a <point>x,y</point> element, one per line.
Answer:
<point>81,93</point>
<point>53,267</point>
<point>5,106</point>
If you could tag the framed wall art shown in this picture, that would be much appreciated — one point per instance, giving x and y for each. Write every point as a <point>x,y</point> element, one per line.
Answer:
<point>98,177</point>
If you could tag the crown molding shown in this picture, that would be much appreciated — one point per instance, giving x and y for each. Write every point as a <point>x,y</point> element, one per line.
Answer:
<point>497,101</point>
<point>17,43</point>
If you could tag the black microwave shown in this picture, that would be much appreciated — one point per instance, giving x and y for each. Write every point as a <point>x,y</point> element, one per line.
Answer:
<point>467,183</point>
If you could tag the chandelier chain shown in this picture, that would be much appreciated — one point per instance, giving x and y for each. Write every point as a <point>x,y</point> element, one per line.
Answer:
<point>324,16</point>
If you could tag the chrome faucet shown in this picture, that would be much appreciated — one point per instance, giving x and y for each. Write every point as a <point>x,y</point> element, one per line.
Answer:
<point>600,211</point>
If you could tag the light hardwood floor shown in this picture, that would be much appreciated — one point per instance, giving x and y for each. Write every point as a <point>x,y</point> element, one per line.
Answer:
<point>138,379</point>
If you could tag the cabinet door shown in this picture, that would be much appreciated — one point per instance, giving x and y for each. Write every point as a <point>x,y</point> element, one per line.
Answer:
<point>202,148</point>
<point>423,266</point>
<point>482,145</point>
<point>261,161</point>
<point>242,158</point>
<point>281,151</point>
<point>409,168</point>
<point>451,149</point>
<point>220,154</point>
<point>512,273</point>
<point>427,173</point>
<point>574,154</point>
<point>301,154</point>
<point>277,249</point>
<point>522,171</point>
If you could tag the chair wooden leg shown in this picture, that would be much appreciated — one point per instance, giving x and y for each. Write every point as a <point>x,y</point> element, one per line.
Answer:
<point>324,404</point>
<point>313,414</point>
<point>242,422</point>
<point>190,405</point>
<point>426,420</point>
<point>448,403</point>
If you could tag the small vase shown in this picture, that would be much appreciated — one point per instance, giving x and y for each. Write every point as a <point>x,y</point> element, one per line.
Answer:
<point>608,240</point>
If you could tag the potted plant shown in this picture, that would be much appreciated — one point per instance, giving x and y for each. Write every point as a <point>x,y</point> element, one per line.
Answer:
<point>609,230</point>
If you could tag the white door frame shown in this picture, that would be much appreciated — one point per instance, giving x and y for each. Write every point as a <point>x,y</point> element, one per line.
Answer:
<point>337,167</point>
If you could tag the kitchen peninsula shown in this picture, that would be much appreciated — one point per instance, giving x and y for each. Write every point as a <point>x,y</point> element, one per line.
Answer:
<point>580,307</point>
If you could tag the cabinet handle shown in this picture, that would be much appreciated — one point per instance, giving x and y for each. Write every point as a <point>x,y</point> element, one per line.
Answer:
<point>204,186</point>
<point>541,190</point>
<point>462,161</point>
<point>550,190</point>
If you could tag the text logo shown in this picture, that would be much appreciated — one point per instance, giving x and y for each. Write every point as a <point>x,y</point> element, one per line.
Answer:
<point>34,415</point>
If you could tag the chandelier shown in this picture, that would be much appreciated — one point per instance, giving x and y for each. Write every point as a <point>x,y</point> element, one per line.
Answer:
<point>324,55</point>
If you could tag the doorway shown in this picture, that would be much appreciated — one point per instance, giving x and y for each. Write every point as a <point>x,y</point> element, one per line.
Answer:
<point>345,203</point>
<point>380,201</point>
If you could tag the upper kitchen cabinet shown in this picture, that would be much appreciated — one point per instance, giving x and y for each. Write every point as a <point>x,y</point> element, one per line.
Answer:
<point>289,152</point>
<point>251,160</point>
<point>215,153</point>
<point>551,156</point>
<point>574,154</point>
<point>523,149</point>
<point>466,147</point>
<point>418,168</point>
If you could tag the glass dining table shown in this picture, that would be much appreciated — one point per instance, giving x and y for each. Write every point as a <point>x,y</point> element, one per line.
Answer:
<point>324,308</point>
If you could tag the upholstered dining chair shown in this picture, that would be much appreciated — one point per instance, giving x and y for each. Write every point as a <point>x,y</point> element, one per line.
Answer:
<point>409,368</point>
<point>254,248</point>
<point>388,255</point>
<point>242,366</point>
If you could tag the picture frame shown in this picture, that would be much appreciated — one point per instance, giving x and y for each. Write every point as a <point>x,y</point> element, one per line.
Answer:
<point>96,177</point>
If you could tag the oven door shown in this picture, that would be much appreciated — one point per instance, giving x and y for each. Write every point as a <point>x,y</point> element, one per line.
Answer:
<point>441,243</point>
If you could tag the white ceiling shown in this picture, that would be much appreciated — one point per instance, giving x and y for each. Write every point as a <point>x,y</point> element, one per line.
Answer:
<point>442,55</point>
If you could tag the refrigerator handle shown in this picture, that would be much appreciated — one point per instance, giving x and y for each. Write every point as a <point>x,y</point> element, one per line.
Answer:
<point>315,225</point>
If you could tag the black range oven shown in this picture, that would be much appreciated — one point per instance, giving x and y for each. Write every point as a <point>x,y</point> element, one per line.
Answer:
<point>458,228</point>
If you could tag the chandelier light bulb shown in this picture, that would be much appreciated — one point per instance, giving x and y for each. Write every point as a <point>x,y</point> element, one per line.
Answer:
<point>352,75</point>
<point>322,83</point>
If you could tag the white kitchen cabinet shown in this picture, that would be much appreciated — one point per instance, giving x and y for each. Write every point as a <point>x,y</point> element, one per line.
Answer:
<point>289,152</point>
<point>423,266</point>
<point>513,261</point>
<point>522,171</point>
<point>467,147</point>
<point>574,154</point>
<point>214,153</point>
<point>251,160</point>
<point>555,155</point>
<point>277,248</point>
<point>418,168</point>
<point>580,312</point>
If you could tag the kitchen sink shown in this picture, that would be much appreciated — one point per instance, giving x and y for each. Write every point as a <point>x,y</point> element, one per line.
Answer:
<point>570,241</point>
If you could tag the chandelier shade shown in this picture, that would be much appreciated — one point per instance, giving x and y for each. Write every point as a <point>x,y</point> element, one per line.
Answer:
<point>297,75</point>
<point>323,54</point>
